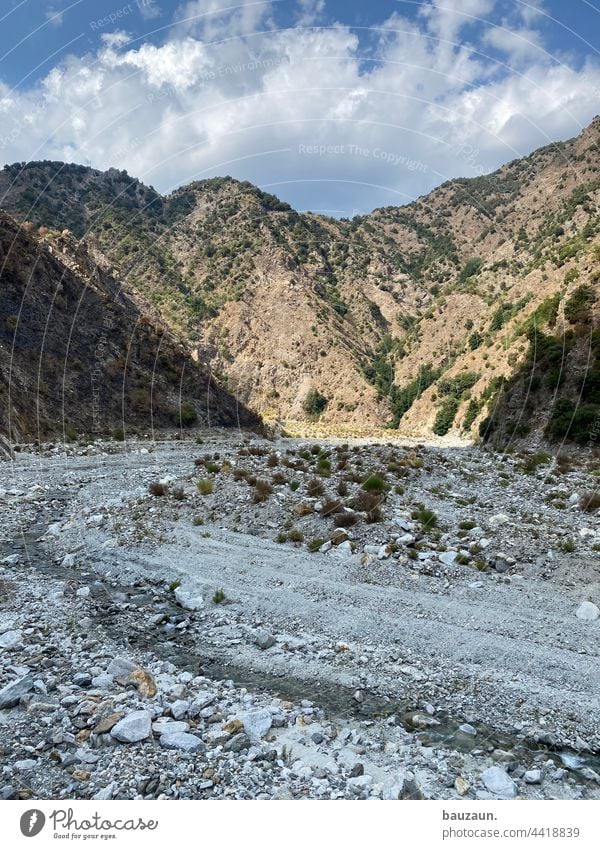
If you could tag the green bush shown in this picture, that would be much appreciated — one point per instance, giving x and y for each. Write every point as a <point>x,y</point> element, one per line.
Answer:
<point>187,414</point>
<point>315,403</point>
<point>445,417</point>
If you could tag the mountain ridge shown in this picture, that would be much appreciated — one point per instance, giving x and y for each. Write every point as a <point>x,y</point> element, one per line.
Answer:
<point>356,323</point>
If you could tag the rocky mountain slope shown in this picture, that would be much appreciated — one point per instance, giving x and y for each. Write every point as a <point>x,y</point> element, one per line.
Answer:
<point>411,315</point>
<point>77,354</point>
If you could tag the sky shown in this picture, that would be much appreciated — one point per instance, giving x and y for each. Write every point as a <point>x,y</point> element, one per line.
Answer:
<point>337,107</point>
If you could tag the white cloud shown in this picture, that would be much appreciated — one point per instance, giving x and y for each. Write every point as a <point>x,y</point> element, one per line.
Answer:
<point>517,44</point>
<point>149,9</point>
<point>298,110</point>
<point>54,17</point>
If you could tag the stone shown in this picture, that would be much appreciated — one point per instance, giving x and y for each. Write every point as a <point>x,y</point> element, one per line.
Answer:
<point>120,669</point>
<point>327,546</point>
<point>588,611</point>
<point>134,727</point>
<point>144,683</point>
<point>498,782</point>
<point>465,728</point>
<point>256,723</point>
<point>187,600</point>
<point>533,776</point>
<point>264,639</point>
<point>461,785</point>
<point>448,558</point>
<point>182,741</point>
<point>421,720</point>
<point>359,783</point>
<point>164,725</point>
<point>12,694</point>
<point>179,708</point>
<point>11,639</point>
<point>26,765</point>
<point>338,536</point>
<point>234,726</point>
<point>410,790</point>
<point>106,792</point>
<point>237,743</point>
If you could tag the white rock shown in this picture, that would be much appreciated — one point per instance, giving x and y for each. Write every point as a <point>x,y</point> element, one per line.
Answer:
<point>499,782</point>
<point>10,639</point>
<point>165,725</point>
<point>326,546</point>
<point>468,729</point>
<point>588,611</point>
<point>533,776</point>
<point>181,740</point>
<point>68,561</point>
<point>26,765</point>
<point>360,782</point>
<point>12,559</point>
<point>179,708</point>
<point>448,557</point>
<point>498,519</point>
<point>256,723</point>
<point>187,600</point>
<point>83,592</point>
<point>134,727</point>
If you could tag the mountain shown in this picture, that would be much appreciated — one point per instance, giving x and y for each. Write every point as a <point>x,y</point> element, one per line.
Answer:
<point>414,316</point>
<point>77,354</point>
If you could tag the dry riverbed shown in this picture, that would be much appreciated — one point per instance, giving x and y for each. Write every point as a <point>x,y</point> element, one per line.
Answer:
<point>235,617</point>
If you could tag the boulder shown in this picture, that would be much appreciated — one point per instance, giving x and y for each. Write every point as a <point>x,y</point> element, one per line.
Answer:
<point>182,741</point>
<point>134,727</point>
<point>12,694</point>
<point>498,782</point>
<point>588,611</point>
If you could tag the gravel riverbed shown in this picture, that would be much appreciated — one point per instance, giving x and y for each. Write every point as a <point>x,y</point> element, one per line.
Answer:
<point>237,617</point>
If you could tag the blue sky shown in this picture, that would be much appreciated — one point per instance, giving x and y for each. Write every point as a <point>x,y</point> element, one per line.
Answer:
<point>336,106</point>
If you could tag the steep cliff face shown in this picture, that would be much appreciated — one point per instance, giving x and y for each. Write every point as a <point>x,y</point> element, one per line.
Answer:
<point>78,355</point>
<point>410,315</point>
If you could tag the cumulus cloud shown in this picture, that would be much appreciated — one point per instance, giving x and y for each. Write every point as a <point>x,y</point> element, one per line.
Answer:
<point>299,111</point>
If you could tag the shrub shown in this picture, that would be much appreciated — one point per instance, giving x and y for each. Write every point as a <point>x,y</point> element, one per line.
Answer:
<point>342,488</point>
<point>179,493</point>
<point>314,404</point>
<point>315,544</point>
<point>158,489</point>
<point>118,434</point>
<point>466,525</point>
<point>262,491</point>
<point>590,501</point>
<point>445,417</point>
<point>281,537</point>
<point>219,596</point>
<point>314,488</point>
<point>331,506</point>
<point>272,461</point>
<point>578,309</point>
<point>323,467</point>
<point>370,503</point>
<point>427,518</point>
<point>346,519</point>
<point>205,486</point>
<point>212,468</point>
<point>295,535</point>
<point>278,478</point>
<point>375,483</point>
<point>187,414</point>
